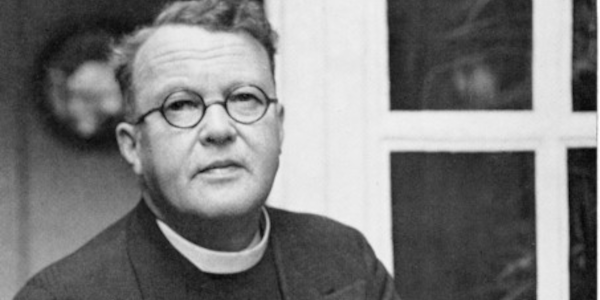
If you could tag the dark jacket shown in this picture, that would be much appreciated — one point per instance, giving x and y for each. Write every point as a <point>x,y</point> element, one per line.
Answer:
<point>315,258</point>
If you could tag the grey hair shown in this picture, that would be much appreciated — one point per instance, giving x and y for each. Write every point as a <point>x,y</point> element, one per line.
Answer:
<point>245,16</point>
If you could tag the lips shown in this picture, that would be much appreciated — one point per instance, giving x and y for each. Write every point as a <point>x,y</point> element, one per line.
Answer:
<point>221,165</point>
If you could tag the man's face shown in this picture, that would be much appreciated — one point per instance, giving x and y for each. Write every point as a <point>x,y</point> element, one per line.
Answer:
<point>219,168</point>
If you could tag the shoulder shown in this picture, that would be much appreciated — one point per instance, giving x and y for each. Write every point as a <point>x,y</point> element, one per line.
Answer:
<point>310,225</point>
<point>317,236</point>
<point>99,263</point>
<point>328,254</point>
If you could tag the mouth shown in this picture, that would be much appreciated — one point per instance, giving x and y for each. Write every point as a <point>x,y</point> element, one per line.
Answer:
<point>221,166</point>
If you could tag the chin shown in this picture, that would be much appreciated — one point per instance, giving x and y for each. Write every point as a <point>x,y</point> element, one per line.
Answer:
<point>222,207</point>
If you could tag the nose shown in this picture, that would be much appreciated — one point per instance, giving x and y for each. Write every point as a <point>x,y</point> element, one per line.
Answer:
<point>216,127</point>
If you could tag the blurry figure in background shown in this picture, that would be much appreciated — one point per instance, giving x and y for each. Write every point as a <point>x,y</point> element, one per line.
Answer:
<point>484,61</point>
<point>78,92</point>
<point>203,131</point>
<point>87,98</point>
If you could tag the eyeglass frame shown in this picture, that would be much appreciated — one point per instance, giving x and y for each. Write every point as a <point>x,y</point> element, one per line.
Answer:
<point>223,103</point>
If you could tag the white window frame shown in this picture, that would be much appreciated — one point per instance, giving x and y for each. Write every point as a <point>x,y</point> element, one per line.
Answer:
<point>333,80</point>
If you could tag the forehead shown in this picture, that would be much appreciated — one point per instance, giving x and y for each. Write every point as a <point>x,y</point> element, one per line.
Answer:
<point>190,52</point>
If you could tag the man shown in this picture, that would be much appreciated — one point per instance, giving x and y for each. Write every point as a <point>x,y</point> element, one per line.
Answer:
<point>204,133</point>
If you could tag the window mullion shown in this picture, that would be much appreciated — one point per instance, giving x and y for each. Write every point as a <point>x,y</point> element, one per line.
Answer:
<point>552,48</point>
<point>552,222</point>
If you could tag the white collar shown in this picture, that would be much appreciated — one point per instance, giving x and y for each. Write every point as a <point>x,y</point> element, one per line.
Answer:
<point>220,262</point>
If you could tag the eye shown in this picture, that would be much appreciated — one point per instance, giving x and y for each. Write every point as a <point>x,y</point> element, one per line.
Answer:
<point>245,97</point>
<point>182,101</point>
<point>181,105</point>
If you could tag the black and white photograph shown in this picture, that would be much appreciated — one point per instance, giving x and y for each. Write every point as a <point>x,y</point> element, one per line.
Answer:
<point>285,149</point>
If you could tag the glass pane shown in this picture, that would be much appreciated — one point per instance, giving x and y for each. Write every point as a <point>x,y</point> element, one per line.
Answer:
<point>460,54</point>
<point>582,221</point>
<point>464,225</point>
<point>584,55</point>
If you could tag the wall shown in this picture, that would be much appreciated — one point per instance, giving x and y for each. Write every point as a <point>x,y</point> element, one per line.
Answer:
<point>9,145</point>
<point>53,197</point>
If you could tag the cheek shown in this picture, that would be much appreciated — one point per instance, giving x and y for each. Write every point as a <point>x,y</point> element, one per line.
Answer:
<point>267,147</point>
<point>164,156</point>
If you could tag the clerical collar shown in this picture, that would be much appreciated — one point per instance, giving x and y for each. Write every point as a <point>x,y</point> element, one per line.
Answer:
<point>220,262</point>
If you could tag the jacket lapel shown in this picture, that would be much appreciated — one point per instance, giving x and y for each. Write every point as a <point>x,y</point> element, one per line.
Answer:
<point>161,271</point>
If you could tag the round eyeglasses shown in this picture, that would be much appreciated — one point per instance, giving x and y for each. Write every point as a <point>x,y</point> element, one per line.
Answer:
<point>185,109</point>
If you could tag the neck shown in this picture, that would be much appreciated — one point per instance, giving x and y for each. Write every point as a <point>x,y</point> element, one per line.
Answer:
<point>227,234</point>
<point>230,233</point>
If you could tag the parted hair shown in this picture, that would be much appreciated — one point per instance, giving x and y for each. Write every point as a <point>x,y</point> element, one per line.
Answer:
<point>243,16</point>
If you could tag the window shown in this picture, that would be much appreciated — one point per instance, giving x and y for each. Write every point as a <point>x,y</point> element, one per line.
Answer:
<point>464,225</point>
<point>480,131</point>
<point>394,105</point>
<point>457,55</point>
<point>583,220</point>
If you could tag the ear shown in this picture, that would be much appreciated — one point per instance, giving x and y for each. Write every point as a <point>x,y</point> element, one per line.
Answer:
<point>280,117</point>
<point>129,145</point>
